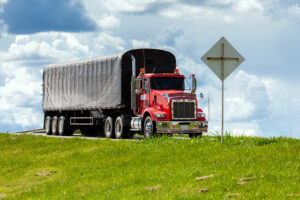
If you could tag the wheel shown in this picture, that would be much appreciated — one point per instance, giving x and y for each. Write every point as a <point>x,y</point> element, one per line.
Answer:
<point>48,125</point>
<point>149,127</point>
<point>109,127</point>
<point>62,126</point>
<point>194,135</point>
<point>121,131</point>
<point>54,125</point>
<point>119,128</point>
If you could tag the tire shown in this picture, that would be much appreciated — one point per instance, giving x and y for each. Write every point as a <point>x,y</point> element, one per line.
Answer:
<point>109,127</point>
<point>119,128</point>
<point>121,131</point>
<point>62,126</point>
<point>195,135</point>
<point>54,125</point>
<point>48,125</point>
<point>149,128</point>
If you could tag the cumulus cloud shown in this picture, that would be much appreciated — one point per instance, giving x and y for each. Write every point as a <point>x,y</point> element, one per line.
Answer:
<point>108,40</point>
<point>108,22</point>
<point>169,35</point>
<point>140,44</point>
<point>45,47</point>
<point>293,11</point>
<point>134,6</point>
<point>25,17</point>
<point>20,95</point>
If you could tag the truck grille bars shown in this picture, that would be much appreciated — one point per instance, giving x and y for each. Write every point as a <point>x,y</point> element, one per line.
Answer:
<point>183,109</point>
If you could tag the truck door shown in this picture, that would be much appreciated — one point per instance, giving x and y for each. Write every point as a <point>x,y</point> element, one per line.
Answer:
<point>147,92</point>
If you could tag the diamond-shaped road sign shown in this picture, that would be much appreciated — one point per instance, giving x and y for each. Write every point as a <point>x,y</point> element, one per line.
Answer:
<point>222,57</point>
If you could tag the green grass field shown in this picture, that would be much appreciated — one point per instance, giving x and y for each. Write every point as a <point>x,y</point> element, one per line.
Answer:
<point>38,167</point>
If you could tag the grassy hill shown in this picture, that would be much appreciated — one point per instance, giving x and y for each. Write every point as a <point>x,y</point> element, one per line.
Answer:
<point>39,167</point>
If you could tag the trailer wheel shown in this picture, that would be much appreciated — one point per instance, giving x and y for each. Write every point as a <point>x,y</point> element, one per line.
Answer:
<point>48,125</point>
<point>109,127</point>
<point>149,127</point>
<point>62,126</point>
<point>54,125</point>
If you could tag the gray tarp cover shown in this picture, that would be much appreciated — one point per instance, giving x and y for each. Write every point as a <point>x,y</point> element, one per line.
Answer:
<point>86,84</point>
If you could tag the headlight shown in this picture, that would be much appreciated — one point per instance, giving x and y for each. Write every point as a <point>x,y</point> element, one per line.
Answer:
<point>160,115</point>
<point>200,115</point>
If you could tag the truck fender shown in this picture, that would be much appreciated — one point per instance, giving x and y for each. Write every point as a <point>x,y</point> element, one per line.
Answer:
<point>149,111</point>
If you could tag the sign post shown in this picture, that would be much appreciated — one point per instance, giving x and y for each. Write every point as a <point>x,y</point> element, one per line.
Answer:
<point>222,59</point>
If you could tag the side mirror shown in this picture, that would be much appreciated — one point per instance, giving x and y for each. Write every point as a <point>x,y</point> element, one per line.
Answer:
<point>194,83</point>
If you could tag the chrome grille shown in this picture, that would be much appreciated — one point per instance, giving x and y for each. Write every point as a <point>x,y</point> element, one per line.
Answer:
<point>183,109</point>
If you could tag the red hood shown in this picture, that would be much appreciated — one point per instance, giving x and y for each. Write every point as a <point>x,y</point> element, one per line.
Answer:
<point>174,93</point>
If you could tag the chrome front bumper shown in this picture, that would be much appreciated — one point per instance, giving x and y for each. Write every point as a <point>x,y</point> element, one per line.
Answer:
<point>181,126</point>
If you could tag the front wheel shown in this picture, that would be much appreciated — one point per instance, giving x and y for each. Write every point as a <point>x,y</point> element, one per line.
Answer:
<point>149,127</point>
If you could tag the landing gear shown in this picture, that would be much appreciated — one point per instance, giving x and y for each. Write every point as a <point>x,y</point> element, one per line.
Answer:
<point>149,127</point>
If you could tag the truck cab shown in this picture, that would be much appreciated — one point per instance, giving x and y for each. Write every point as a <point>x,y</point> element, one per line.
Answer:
<point>164,106</point>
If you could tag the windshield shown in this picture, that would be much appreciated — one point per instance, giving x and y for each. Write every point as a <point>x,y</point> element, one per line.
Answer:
<point>167,83</point>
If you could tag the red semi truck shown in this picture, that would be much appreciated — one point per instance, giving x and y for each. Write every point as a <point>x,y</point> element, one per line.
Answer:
<point>118,95</point>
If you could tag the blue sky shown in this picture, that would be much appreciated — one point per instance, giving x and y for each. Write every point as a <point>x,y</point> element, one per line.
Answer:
<point>261,96</point>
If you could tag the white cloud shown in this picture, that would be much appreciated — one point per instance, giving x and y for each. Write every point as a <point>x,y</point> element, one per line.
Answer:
<point>250,128</point>
<point>129,5</point>
<point>108,22</point>
<point>248,5</point>
<point>108,40</point>
<point>52,45</point>
<point>140,44</point>
<point>188,12</point>
<point>28,117</point>
<point>20,93</point>
<point>293,11</point>
<point>229,19</point>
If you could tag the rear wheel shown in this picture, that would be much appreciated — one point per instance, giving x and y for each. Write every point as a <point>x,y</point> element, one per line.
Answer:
<point>54,125</point>
<point>149,127</point>
<point>48,125</point>
<point>121,131</point>
<point>109,127</point>
<point>62,126</point>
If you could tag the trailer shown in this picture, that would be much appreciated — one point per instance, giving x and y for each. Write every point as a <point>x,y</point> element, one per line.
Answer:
<point>104,96</point>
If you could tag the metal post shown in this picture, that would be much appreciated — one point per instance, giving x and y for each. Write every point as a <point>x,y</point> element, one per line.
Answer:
<point>222,61</point>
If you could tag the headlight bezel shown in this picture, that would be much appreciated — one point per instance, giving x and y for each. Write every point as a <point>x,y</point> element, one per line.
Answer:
<point>160,115</point>
<point>200,115</point>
